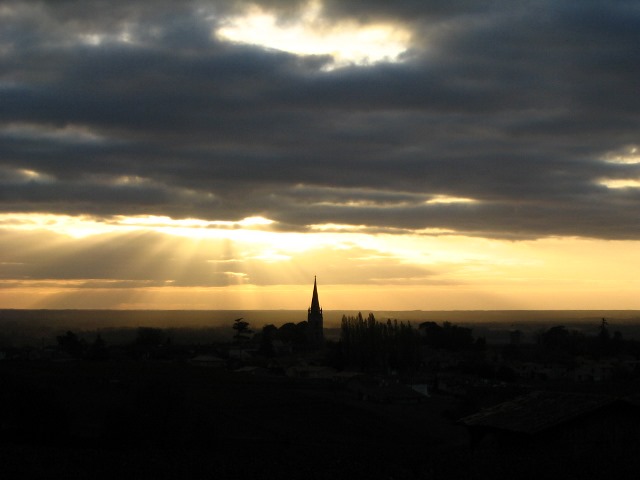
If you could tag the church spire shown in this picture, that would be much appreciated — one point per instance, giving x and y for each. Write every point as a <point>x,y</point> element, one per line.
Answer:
<point>315,303</point>
<point>314,319</point>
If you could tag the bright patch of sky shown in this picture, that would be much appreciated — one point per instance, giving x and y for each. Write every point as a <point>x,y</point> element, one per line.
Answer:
<point>620,183</point>
<point>626,156</point>
<point>629,155</point>
<point>83,226</point>
<point>449,199</point>
<point>348,42</point>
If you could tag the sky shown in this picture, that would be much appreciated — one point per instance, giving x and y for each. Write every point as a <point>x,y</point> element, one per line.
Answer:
<point>414,154</point>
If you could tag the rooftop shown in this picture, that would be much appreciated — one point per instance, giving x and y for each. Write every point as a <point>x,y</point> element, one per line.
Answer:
<point>537,411</point>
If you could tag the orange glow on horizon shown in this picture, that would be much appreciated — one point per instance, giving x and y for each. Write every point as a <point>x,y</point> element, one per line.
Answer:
<point>159,263</point>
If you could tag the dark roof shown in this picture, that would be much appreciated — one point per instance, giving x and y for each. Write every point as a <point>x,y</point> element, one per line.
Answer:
<point>384,390</point>
<point>537,411</point>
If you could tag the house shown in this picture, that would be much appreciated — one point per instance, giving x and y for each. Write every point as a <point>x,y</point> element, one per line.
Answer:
<point>208,361</point>
<point>310,371</point>
<point>383,390</point>
<point>421,388</point>
<point>253,370</point>
<point>281,348</point>
<point>243,354</point>
<point>547,434</point>
<point>460,384</point>
<point>559,422</point>
<point>591,371</point>
<point>345,376</point>
<point>542,371</point>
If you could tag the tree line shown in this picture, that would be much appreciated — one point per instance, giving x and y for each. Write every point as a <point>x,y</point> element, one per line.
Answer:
<point>369,344</point>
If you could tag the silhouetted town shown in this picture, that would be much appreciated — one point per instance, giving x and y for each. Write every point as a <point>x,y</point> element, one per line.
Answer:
<point>382,399</point>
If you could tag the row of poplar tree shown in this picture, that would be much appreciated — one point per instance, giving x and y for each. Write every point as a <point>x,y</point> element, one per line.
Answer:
<point>369,344</point>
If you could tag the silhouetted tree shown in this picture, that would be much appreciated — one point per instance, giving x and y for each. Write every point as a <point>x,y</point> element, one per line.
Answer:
<point>71,344</point>
<point>267,336</point>
<point>369,344</point>
<point>604,338</point>
<point>448,336</point>
<point>603,333</point>
<point>294,334</point>
<point>242,329</point>
<point>555,338</point>
<point>98,350</point>
<point>149,337</point>
<point>558,344</point>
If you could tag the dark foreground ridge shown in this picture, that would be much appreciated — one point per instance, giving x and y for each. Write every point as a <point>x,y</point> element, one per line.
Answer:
<point>167,420</point>
<point>382,400</point>
<point>162,420</point>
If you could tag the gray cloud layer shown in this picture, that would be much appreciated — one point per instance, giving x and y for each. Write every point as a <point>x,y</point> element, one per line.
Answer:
<point>513,104</point>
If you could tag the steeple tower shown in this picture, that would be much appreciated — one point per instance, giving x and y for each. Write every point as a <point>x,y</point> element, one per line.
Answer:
<point>314,318</point>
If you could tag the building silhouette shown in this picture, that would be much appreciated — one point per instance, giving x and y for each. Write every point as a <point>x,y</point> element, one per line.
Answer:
<point>314,319</point>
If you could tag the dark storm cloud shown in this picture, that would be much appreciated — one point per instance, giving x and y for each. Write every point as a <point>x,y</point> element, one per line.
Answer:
<point>512,104</point>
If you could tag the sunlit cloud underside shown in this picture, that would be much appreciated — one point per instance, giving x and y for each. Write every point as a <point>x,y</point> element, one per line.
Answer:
<point>347,42</point>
